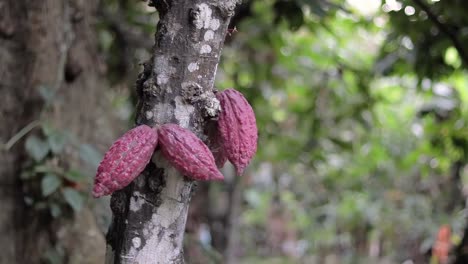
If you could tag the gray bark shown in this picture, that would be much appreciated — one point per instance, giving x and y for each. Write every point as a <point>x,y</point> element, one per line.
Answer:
<point>176,86</point>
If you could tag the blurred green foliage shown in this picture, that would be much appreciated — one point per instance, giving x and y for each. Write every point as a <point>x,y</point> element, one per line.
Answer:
<point>50,181</point>
<point>362,109</point>
<point>362,114</point>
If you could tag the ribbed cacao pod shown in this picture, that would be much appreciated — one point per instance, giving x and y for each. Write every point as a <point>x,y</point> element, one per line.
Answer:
<point>125,160</point>
<point>187,153</point>
<point>237,128</point>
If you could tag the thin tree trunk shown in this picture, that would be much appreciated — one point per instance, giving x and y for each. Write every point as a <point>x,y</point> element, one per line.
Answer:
<point>461,250</point>
<point>233,217</point>
<point>176,86</point>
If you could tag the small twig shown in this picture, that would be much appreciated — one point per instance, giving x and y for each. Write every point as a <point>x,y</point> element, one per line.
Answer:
<point>446,30</point>
<point>21,134</point>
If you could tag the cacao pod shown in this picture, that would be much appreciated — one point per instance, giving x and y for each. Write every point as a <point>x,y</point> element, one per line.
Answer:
<point>125,160</point>
<point>237,128</point>
<point>187,153</point>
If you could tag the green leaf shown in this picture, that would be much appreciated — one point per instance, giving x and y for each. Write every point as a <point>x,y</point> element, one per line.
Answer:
<point>40,205</point>
<point>41,169</point>
<point>27,174</point>
<point>47,128</point>
<point>55,210</point>
<point>105,39</point>
<point>90,155</point>
<point>47,93</point>
<point>452,57</point>
<point>73,198</point>
<point>50,184</point>
<point>36,148</point>
<point>28,200</point>
<point>74,175</point>
<point>57,141</point>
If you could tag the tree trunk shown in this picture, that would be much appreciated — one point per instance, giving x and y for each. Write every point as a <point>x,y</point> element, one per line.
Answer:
<point>232,232</point>
<point>176,86</point>
<point>47,43</point>
<point>461,250</point>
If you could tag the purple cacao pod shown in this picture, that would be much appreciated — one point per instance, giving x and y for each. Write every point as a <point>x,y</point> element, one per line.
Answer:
<point>187,153</point>
<point>237,128</point>
<point>125,160</point>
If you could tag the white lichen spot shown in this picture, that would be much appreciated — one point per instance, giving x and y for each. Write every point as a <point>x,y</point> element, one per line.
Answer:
<point>203,17</point>
<point>145,232</point>
<point>183,111</point>
<point>162,79</point>
<point>205,49</point>
<point>171,208</point>
<point>162,112</point>
<point>173,29</point>
<point>193,67</point>
<point>212,107</point>
<point>209,35</point>
<point>136,242</point>
<point>136,202</point>
<point>162,240</point>
<point>199,76</point>
<point>149,114</point>
<point>154,219</point>
<point>162,69</point>
<point>214,24</point>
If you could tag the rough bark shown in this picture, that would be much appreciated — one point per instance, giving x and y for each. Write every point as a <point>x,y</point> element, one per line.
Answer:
<point>176,86</point>
<point>49,43</point>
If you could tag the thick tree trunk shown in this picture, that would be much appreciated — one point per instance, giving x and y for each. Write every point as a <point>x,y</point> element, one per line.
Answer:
<point>48,43</point>
<point>176,86</point>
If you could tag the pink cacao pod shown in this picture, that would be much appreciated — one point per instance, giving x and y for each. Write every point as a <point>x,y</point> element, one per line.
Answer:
<point>125,160</point>
<point>238,128</point>
<point>187,153</point>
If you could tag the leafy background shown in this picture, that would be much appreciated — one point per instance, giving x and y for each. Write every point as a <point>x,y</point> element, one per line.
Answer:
<point>362,109</point>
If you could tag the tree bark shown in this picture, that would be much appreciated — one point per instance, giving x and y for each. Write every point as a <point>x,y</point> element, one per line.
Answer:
<point>176,86</point>
<point>48,43</point>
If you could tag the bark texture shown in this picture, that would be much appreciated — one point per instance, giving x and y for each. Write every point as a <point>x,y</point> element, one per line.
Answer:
<point>48,43</point>
<point>176,86</point>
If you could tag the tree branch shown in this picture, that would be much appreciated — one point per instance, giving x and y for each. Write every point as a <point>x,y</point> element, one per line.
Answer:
<point>444,29</point>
